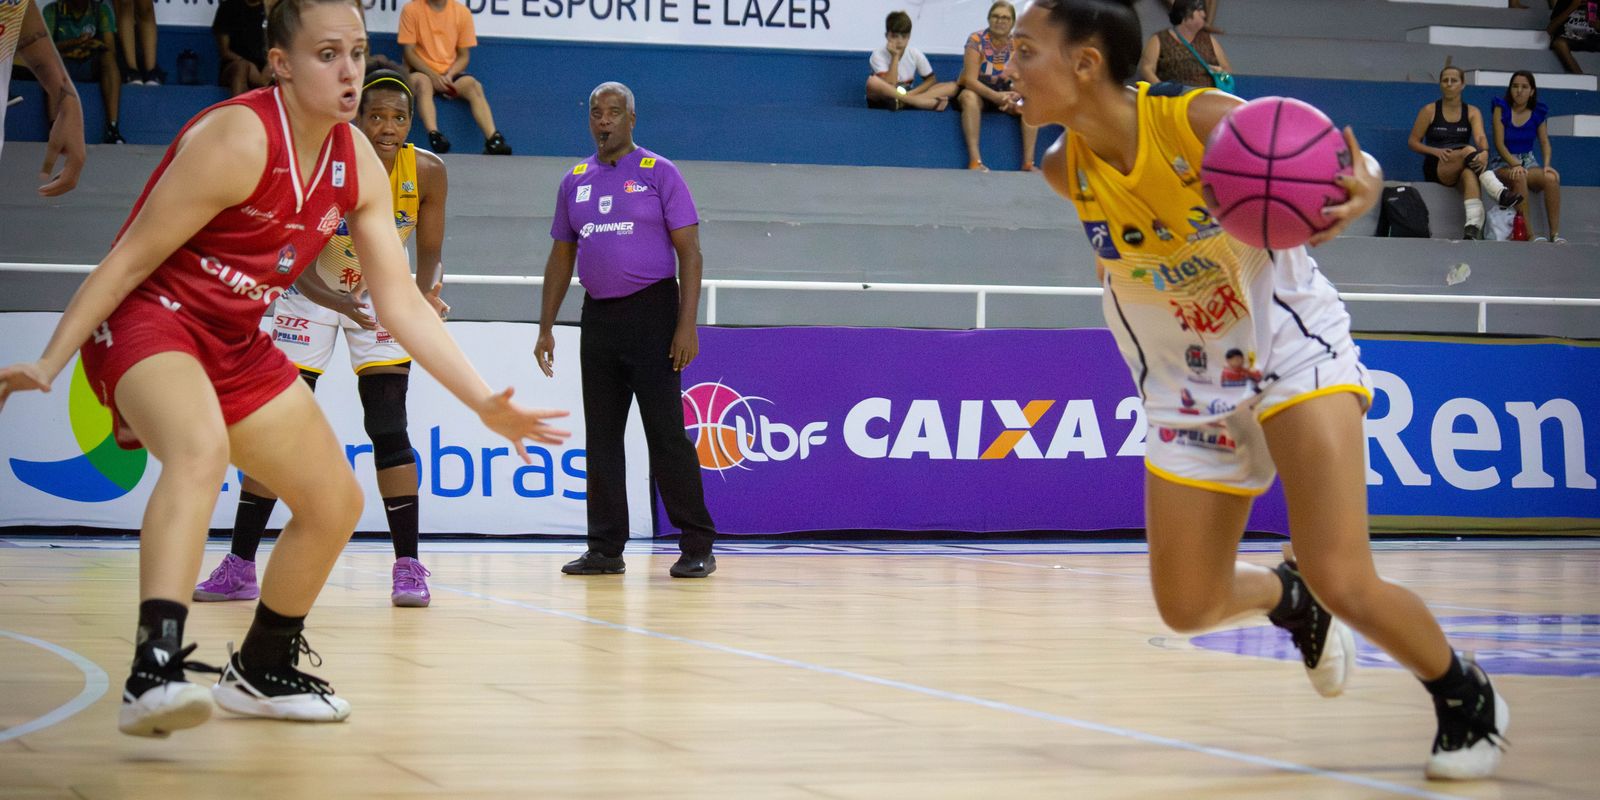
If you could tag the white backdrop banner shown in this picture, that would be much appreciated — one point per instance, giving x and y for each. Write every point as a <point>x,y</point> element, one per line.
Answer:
<point>57,466</point>
<point>939,26</point>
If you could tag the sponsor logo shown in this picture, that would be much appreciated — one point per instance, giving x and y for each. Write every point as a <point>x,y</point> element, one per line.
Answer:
<point>1161,230</point>
<point>1100,239</point>
<point>1185,172</point>
<point>409,187</point>
<point>1212,313</point>
<point>619,228</point>
<point>605,204</point>
<point>338,174</point>
<point>1132,236</point>
<point>728,432</point>
<point>1205,226</point>
<point>257,213</point>
<point>1240,370</point>
<point>1195,358</point>
<point>284,322</point>
<point>343,229</point>
<point>1167,276</point>
<point>292,338</point>
<point>583,194</point>
<point>402,220</point>
<point>238,282</point>
<point>1085,194</point>
<point>580,169</point>
<point>1188,403</point>
<point>330,220</point>
<point>647,163</point>
<point>635,187</point>
<point>1210,438</point>
<point>103,471</point>
<point>286,258</point>
<point>166,302</point>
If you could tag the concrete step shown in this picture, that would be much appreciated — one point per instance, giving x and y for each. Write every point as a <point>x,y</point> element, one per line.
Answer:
<point>1502,38</point>
<point>1574,125</point>
<point>1550,80</point>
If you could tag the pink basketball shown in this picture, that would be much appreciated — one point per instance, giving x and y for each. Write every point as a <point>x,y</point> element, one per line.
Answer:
<point>1269,170</point>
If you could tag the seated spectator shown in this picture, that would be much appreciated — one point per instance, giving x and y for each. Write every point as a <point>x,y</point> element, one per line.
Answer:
<point>1449,135</point>
<point>1211,14</point>
<point>241,38</point>
<point>1186,53</point>
<point>84,32</point>
<point>896,67</point>
<point>1574,26</point>
<point>138,33</point>
<point>984,85</point>
<point>1519,120</point>
<point>437,37</point>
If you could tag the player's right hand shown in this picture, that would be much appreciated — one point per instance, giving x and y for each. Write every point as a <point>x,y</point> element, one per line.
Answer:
<point>544,351</point>
<point>517,423</point>
<point>27,376</point>
<point>351,306</point>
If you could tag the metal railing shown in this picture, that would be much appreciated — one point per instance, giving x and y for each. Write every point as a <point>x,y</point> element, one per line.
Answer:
<point>982,292</point>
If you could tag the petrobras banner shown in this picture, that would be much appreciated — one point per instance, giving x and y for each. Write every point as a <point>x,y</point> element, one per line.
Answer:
<point>996,430</point>
<point>939,26</point>
<point>60,466</point>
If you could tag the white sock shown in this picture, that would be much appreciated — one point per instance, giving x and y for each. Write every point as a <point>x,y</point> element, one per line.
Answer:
<point>1491,184</point>
<point>1474,209</point>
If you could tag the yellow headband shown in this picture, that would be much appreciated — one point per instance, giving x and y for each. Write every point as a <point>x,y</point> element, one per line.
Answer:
<point>404,87</point>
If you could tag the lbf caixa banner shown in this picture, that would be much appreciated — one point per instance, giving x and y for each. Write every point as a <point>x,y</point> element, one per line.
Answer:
<point>828,428</point>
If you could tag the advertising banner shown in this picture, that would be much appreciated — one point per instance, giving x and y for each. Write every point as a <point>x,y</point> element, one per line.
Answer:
<point>59,466</point>
<point>939,26</point>
<point>1010,430</point>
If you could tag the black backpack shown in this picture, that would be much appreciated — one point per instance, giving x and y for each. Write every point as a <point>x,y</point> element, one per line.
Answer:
<point>1402,213</point>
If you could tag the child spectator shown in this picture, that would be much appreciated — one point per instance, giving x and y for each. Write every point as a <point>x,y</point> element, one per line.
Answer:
<point>239,28</point>
<point>1519,124</point>
<point>84,32</point>
<point>896,67</point>
<point>437,37</point>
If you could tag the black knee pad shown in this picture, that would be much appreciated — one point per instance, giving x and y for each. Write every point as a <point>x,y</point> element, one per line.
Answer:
<point>383,399</point>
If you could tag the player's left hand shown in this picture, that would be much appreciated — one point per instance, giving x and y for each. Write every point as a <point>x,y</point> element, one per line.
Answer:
<point>1364,187</point>
<point>685,346</point>
<point>440,307</point>
<point>27,376</point>
<point>66,139</point>
<point>517,423</point>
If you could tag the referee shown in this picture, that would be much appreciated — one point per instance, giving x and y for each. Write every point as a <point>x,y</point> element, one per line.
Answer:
<point>626,219</point>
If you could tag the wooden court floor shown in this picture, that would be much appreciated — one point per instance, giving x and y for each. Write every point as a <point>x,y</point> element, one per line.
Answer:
<point>979,670</point>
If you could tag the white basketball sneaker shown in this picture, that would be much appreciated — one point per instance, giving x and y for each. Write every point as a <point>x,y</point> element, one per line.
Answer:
<point>279,693</point>
<point>157,699</point>
<point>1471,733</point>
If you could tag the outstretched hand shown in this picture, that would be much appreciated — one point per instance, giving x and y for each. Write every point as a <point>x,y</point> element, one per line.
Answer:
<point>27,376</point>
<point>1364,187</point>
<point>517,423</point>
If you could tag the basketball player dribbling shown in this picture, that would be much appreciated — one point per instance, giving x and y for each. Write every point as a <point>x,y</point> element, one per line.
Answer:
<point>246,196</point>
<point>1130,164</point>
<point>331,297</point>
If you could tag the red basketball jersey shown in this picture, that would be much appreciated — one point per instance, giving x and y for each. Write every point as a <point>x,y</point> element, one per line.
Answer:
<point>230,271</point>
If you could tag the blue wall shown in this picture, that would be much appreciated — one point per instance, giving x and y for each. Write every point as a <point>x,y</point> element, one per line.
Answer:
<point>785,106</point>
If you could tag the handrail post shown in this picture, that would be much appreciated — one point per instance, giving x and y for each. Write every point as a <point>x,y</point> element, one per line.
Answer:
<point>711,304</point>
<point>1483,317</point>
<point>983,312</point>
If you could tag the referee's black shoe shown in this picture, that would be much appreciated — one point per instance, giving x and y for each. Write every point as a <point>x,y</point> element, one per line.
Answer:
<point>689,566</point>
<point>592,563</point>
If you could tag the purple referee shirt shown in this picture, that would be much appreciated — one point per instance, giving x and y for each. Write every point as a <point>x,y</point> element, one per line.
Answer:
<point>622,217</point>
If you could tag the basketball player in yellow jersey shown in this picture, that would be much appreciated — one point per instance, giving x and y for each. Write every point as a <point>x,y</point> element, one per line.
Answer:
<point>309,317</point>
<point>1244,361</point>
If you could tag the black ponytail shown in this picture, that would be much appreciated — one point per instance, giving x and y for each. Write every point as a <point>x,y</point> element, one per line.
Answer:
<point>1112,25</point>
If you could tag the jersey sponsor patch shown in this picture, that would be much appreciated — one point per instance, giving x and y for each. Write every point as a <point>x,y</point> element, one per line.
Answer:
<point>338,174</point>
<point>583,194</point>
<point>605,204</point>
<point>647,163</point>
<point>635,187</point>
<point>580,169</point>
<point>330,221</point>
<point>1100,239</point>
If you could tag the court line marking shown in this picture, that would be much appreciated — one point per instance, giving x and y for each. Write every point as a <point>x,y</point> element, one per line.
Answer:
<point>95,683</point>
<point>941,694</point>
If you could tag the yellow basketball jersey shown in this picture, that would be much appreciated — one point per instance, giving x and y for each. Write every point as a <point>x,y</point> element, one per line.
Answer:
<point>1181,296</point>
<point>337,264</point>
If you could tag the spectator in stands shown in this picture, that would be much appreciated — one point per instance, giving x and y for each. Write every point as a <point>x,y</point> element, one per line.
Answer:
<point>1449,135</point>
<point>896,67</point>
<point>1186,53</point>
<point>1574,26</point>
<point>137,36</point>
<point>1211,14</point>
<point>84,32</point>
<point>437,37</point>
<point>1519,123</point>
<point>984,85</point>
<point>239,28</point>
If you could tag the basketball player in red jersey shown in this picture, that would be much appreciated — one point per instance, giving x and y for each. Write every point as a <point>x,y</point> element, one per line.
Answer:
<point>246,197</point>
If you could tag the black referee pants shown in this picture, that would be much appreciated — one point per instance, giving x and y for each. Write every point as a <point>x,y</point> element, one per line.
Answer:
<point>625,354</point>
